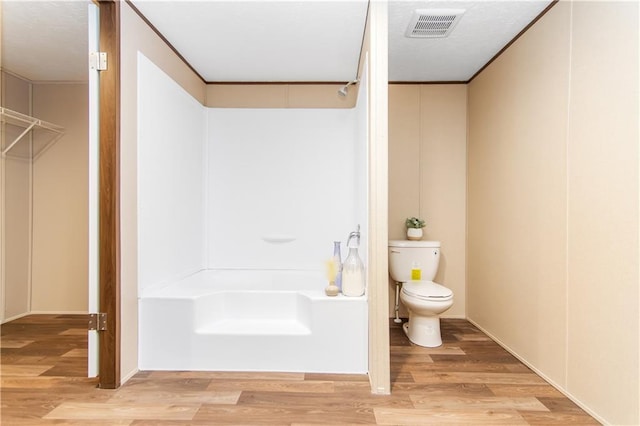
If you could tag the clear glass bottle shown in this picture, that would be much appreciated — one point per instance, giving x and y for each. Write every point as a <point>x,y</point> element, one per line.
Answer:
<point>337,259</point>
<point>353,278</point>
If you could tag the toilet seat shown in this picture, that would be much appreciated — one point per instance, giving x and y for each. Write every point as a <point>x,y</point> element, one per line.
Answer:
<point>427,290</point>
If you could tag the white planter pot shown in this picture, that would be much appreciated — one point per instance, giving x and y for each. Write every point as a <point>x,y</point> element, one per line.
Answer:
<point>414,234</point>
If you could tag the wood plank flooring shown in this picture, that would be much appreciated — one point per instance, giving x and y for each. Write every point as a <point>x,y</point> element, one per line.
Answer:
<point>470,380</point>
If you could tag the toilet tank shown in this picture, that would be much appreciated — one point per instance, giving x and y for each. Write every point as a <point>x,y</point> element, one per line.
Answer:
<point>404,255</point>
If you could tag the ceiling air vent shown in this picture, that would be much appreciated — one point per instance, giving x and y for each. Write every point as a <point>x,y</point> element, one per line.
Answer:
<point>433,23</point>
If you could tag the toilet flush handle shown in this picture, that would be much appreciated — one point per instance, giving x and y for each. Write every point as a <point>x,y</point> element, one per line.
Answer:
<point>395,251</point>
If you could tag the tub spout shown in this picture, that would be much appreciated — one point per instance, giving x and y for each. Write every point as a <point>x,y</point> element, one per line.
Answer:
<point>355,234</point>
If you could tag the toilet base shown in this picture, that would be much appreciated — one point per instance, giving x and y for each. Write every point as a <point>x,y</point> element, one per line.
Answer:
<point>423,331</point>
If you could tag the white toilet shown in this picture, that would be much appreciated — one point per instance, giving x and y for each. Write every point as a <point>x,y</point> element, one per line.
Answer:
<point>425,299</point>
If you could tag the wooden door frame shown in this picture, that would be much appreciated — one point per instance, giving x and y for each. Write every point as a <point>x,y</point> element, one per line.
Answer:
<point>109,196</point>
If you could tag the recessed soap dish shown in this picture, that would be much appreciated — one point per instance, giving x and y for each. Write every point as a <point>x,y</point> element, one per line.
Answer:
<point>278,238</point>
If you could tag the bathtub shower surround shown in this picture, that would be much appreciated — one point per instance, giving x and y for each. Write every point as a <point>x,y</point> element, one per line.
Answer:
<point>252,321</point>
<point>290,172</point>
<point>171,178</point>
<point>216,294</point>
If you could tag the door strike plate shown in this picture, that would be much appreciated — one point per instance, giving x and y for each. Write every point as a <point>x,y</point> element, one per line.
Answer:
<point>98,322</point>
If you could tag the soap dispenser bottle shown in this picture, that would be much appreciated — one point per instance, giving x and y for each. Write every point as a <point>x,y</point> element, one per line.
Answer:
<point>353,277</point>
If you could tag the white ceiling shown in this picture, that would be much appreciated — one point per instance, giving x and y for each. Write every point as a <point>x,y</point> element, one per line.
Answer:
<point>264,40</point>
<point>484,29</point>
<point>268,40</point>
<point>45,40</point>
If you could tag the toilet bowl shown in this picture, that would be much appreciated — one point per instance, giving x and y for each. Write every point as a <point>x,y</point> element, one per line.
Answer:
<point>424,299</point>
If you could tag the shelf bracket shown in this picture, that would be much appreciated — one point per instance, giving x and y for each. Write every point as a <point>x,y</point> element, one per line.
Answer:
<point>28,123</point>
<point>27,130</point>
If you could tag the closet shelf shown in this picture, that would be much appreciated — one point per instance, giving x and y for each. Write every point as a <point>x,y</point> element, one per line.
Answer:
<point>17,127</point>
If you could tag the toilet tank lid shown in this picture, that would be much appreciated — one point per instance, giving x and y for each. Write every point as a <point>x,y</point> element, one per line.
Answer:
<point>414,244</point>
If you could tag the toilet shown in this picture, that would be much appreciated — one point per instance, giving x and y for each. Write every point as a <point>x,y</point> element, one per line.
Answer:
<point>424,299</point>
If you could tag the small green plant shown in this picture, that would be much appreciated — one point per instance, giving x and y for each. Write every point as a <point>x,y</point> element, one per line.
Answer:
<point>414,222</point>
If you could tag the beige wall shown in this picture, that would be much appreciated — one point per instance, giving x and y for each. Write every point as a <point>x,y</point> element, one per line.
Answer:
<point>17,232</point>
<point>60,202</point>
<point>45,204</point>
<point>553,203</point>
<point>427,175</point>
<point>137,36</point>
<point>15,184</point>
<point>15,93</point>
<point>602,200</point>
<point>279,96</point>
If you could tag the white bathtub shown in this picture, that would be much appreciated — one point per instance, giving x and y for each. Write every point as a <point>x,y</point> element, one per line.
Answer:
<point>234,320</point>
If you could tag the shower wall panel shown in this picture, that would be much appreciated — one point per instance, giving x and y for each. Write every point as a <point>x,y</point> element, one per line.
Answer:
<point>281,186</point>
<point>171,134</point>
<point>361,171</point>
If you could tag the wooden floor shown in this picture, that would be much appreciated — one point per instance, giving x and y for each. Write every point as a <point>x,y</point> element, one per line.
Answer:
<point>470,380</point>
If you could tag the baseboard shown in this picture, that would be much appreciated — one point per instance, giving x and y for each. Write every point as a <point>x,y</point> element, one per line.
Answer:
<point>128,376</point>
<point>453,317</point>
<point>15,317</point>
<point>541,374</point>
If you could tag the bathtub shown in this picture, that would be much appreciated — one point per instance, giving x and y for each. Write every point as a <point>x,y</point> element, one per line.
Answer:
<point>247,320</point>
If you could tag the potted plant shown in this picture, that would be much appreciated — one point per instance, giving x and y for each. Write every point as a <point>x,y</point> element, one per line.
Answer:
<point>414,228</point>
